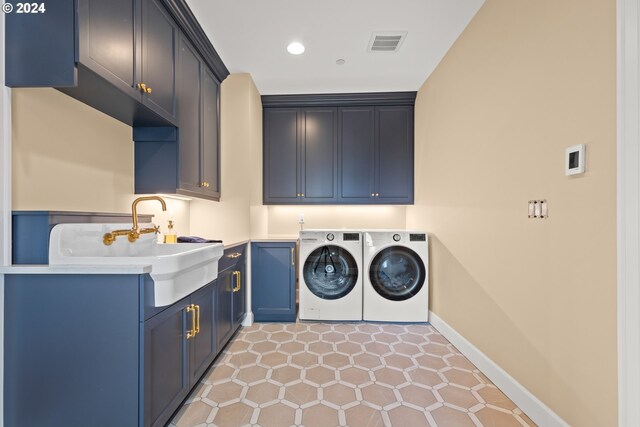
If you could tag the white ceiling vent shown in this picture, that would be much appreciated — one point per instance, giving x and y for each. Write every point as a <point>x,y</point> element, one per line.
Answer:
<point>386,41</point>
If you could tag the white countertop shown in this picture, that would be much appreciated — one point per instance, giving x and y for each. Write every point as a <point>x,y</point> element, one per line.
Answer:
<point>76,269</point>
<point>285,238</point>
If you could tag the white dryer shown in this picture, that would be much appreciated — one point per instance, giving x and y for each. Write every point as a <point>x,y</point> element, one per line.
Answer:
<point>330,275</point>
<point>396,284</point>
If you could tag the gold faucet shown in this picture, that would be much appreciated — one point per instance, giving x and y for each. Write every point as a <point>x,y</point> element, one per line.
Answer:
<point>135,231</point>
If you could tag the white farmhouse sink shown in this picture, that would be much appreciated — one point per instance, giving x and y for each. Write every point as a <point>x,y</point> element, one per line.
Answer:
<point>176,269</point>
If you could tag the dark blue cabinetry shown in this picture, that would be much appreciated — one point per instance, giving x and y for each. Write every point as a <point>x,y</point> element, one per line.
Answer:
<point>231,293</point>
<point>119,361</point>
<point>184,160</point>
<point>361,154</point>
<point>300,155</point>
<point>158,49</point>
<point>166,362</point>
<point>273,281</point>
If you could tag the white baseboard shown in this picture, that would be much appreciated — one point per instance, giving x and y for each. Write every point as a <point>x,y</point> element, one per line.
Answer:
<point>248,319</point>
<point>539,413</point>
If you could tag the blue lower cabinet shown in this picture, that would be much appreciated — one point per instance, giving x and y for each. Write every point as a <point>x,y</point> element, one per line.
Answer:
<point>89,351</point>
<point>166,382</point>
<point>224,316</point>
<point>203,346</point>
<point>273,281</point>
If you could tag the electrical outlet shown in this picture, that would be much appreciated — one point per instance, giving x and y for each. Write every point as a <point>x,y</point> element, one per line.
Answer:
<point>300,218</point>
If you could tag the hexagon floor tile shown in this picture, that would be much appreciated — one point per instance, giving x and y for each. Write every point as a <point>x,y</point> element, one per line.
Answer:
<point>345,374</point>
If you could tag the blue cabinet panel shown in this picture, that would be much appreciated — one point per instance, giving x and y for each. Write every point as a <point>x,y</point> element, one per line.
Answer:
<point>224,314</point>
<point>40,48</point>
<point>189,113</point>
<point>356,154</point>
<point>319,151</point>
<point>71,344</point>
<point>203,345</point>
<point>104,25</point>
<point>281,155</point>
<point>165,364</point>
<point>273,282</point>
<point>394,163</point>
<point>158,71</point>
<point>210,145</point>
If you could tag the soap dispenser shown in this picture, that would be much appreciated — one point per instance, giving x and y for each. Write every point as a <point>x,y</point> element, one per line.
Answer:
<point>170,236</point>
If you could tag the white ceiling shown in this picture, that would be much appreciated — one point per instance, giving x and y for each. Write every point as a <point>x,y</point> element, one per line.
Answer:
<point>251,36</point>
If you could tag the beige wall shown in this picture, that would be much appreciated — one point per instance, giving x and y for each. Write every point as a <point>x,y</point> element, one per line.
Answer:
<point>524,81</point>
<point>283,220</point>
<point>68,156</point>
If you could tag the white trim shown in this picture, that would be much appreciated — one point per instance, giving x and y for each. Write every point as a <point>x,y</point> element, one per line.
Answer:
<point>5,201</point>
<point>539,413</point>
<point>628,194</point>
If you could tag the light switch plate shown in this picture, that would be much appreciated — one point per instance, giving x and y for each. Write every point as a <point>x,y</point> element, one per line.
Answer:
<point>300,218</point>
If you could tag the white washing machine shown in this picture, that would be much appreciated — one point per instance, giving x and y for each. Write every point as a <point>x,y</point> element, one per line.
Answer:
<point>396,283</point>
<point>330,275</point>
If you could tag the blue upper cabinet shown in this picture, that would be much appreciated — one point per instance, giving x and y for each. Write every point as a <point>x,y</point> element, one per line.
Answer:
<point>300,155</point>
<point>210,128</point>
<point>338,149</point>
<point>357,155</point>
<point>184,160</point>
<point>118,56</point>
<point>158,71</point>
<point>394,155</point>
<point>281,155</point>
<point>104,25</point>
<point>189,112</point>
<point>319,155</point>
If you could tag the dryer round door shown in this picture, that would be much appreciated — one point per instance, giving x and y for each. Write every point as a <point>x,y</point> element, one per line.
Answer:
<point>397,273</point>
<point>330,272</point>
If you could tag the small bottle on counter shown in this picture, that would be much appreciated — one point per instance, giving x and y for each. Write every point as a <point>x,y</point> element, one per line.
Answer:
<point>171,236</point>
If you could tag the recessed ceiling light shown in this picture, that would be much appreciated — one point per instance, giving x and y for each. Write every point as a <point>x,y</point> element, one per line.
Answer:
<point>295,48</point>
<point>340,61</point>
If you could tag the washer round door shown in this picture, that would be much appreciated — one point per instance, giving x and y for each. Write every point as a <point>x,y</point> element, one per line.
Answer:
<point>397,273</point>
<point>330,272</point>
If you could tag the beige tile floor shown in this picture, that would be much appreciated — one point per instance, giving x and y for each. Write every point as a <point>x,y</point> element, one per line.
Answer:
<point>355,374</point>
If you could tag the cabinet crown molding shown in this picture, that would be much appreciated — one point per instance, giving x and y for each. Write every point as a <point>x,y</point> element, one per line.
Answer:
<point>340,99</point>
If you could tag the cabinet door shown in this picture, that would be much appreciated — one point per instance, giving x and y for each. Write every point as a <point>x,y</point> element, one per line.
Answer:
<point>189,113</point>
<point>281,159</point>
<point>159,41</point>
<point>203,344</point>
<point>210,134</point>
<point>356,154</point>
<point>239,294</point>
<point>108,45</point>
<point>166,382</point>
<point>273,290</point>
<point>394,160</point>
<point>319,155</point>
<point>224,312</point>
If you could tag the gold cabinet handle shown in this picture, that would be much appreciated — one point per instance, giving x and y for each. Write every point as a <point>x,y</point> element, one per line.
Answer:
<point>293,256</point>
<point>234,255</point>
<point>197,307</point>
<point>377,194</point>
<point>373,194</point>
<point>148,90</point>
<point>302,194</point>
<point>142,87</point>
<point>192,332</point>
<point>238,277</point>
